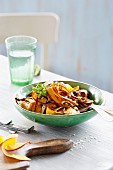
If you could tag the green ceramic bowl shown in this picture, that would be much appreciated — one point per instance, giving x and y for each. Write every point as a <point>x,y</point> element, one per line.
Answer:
<point>61,120</point>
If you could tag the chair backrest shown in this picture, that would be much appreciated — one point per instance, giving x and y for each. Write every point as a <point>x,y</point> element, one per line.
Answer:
<point>43,26</point>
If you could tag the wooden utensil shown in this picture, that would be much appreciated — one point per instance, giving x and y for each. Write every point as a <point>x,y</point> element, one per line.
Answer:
<point>53,146</point>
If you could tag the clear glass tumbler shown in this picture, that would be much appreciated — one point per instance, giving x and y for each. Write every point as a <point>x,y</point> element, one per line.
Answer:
<point>21,51</point>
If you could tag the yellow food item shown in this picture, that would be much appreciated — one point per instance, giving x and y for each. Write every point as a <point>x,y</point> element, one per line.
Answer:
<point>50,111</point>
<point>15,146</point>
<point>69,88</point>
<point>10,144</point>
<point>1,139</point>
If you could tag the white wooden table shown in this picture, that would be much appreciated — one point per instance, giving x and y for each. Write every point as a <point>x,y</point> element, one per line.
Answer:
<point>94,138</point>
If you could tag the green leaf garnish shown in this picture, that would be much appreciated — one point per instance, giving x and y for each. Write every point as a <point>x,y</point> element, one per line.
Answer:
<point>40,89</point>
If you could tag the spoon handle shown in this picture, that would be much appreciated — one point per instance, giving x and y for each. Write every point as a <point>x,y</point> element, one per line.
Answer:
<point>52,146</point>
<point>105,114</point>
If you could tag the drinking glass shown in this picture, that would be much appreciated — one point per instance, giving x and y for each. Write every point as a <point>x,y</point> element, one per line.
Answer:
<point>21,51</point>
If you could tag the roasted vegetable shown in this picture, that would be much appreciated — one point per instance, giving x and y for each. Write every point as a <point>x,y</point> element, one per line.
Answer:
<point>56,98</point>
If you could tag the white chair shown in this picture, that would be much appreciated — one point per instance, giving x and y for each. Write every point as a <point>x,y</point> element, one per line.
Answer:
<point>43,26</point>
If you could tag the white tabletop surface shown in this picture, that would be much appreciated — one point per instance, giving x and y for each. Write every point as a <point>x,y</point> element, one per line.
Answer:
<point>94,138</point>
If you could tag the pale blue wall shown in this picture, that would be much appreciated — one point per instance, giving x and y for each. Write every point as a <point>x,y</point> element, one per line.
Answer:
<point>85,48</point>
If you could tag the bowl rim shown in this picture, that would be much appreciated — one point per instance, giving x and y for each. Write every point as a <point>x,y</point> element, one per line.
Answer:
<point>48,115</point>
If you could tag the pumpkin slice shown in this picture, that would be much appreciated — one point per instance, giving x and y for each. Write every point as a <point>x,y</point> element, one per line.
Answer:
<point>15,146</point>
<point>2,139</point>
<point>10,142</point>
